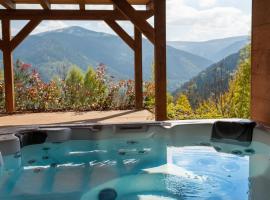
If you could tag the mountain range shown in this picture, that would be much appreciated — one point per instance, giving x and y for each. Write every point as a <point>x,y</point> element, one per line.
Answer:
<point>214,50</point>
<point>49,51</point>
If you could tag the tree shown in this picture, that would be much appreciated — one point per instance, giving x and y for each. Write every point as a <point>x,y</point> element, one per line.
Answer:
<point>94,88</point>
<point>207,110</point>
<point>237,99</point>
<point>74,87</point>
<point>183,108</point>
<point>1,74</point>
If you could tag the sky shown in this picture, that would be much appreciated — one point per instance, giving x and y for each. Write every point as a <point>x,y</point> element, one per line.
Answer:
<point>187,20</point>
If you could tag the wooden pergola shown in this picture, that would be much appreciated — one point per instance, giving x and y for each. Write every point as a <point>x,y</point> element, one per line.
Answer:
<point>122,10</point>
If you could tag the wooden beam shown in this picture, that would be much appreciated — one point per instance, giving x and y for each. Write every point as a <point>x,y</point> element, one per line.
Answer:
<point>8,67</point>
<point>1,44</point>
<point>82,4</point>
<point>45,4</point>
<point>150,5</point>
<point>160,60</point>
<point>135,18</point>
<point>69,14</point>
<point>8,4</point>
<point>32,24</point>
<point>138,69</point>
<point>121,33</point>
<point>74,2</point>
<point>260,62</point>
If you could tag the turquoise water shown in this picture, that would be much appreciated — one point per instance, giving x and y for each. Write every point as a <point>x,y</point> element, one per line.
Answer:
<point>131,169</point>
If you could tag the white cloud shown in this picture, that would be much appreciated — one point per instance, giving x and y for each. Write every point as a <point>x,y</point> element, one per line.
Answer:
<point>188,23</point>
<point>207,3</point>
<point>50,25</point>
<point>185,21</point>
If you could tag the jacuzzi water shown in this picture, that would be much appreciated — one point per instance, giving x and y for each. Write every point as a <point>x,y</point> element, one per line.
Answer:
<point>128,170</point>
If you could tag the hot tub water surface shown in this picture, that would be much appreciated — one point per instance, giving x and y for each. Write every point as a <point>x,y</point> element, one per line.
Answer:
<point>154,167</point>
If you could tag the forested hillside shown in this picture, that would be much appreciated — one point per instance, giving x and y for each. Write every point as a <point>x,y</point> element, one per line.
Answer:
<point>213,81</point>
<point>233,102</point>
<point>54,51</point>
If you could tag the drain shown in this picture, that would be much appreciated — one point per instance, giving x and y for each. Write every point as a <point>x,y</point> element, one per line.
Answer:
<point>53,165</point>
<point>17,155</point>
<point>45,148</point>
<point>37,170</point>
<point>142,152</point>
<point>107,194</point>
<point>31,161</point>
<point>250,151</point>
<point>122,153</point>
<point>57,142</point>
<point>45,157</point>
<point>132,142</point>
<point>237,152</point>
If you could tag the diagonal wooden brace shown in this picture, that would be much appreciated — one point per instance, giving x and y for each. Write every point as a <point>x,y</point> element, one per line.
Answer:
<point>121,33</point>
<point>127,10</point>
<point>32,24</point>
<point>8,4</point>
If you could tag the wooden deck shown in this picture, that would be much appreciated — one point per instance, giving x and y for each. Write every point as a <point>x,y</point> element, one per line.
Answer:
<point>75,117</point>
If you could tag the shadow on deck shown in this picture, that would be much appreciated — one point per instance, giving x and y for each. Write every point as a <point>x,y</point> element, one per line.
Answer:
<point>75,117</point>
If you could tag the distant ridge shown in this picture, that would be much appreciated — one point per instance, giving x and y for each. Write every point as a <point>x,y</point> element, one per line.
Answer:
<point>50,50</point>
<point>214,50</point>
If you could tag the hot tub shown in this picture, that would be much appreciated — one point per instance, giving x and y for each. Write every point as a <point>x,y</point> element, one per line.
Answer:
<point>166,160</point>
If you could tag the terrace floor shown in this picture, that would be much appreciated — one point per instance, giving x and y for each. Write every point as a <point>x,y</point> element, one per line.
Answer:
<point>75,117</point>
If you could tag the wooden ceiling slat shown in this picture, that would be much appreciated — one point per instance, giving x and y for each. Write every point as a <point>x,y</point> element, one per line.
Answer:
<point>100,2</point>
<point>8,4</point>
<point>69,14</point>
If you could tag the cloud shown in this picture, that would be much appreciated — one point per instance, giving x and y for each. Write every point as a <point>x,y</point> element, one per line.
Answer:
<point>50,25</point>
<point>186,20</point>
<point>188,23</point>
<point>207,3</point>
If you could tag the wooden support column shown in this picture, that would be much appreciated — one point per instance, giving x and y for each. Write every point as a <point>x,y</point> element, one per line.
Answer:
<point>260,68</point>
<point>138,69</point>
<point>8,45</point>
<point>8,67</point>
<point>160,60</point>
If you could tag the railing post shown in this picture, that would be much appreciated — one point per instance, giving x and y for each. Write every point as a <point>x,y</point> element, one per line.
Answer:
<point>138,69</point>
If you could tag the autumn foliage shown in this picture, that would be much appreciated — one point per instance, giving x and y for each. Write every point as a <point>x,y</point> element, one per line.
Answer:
<point>78,91</point>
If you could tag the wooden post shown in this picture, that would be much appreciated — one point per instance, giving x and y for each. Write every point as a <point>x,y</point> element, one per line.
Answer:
<point>260,65</point>
<point>8,67</point>
<point>138,69</point>
<point>160,60</point>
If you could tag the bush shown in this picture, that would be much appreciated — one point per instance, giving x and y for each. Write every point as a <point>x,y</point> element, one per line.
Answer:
<point>79,91</point>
